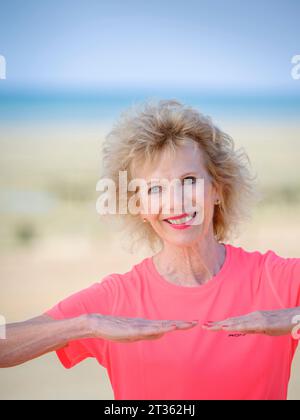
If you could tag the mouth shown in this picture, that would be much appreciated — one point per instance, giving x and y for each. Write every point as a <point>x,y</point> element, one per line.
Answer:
<point>181,220</point>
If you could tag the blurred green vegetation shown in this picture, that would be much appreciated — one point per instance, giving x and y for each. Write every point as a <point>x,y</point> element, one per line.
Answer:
<point>64,164</point>
<point>25,232</point>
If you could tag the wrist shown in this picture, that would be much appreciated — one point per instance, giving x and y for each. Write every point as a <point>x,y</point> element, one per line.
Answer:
<point>91,324</point>
<point>295,317</point>
<point>79,327</point>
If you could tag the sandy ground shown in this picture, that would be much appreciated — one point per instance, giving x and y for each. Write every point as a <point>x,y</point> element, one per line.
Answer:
<point>72,249</point>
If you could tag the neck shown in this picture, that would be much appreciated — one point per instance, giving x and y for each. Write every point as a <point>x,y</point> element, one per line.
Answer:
<point>193,265</point>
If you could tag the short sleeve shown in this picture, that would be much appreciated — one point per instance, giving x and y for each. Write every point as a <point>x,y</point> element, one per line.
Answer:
<point>98,298</point>
<point>283,275</point>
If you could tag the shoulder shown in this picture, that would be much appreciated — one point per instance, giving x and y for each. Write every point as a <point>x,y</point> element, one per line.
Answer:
<point>112,292</point>
<point>119,290</point>
<point>278,275</point>
<point>263,259</point>
<point>117,283</point>
<point>260,263</point>
<point>245,257</point>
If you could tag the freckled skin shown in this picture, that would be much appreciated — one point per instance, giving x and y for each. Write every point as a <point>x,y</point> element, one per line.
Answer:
<point>189,256</point>
<point>273,323</point>
<point>187,159</point>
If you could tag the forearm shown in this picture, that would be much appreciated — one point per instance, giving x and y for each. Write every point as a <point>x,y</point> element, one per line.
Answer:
<point>275,323</point>
<point>30,339</point>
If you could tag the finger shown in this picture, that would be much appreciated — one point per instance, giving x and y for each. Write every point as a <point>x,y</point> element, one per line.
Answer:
<point>212,327</point>
<point>229,321</point>
<point>228,324</point>
<point>233,322</point>
<point>157,330</point>
<point>238,327</point>
<point>179,324</point>
<point>245,328</point>
<point>180,321</point>
<point>155,336</point>
<point>186,325</point>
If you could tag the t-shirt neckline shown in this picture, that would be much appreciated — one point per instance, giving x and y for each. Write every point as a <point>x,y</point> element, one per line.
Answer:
<point>191,289</point>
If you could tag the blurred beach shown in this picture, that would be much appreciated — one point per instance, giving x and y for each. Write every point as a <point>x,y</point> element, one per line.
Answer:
<point>53,242</point>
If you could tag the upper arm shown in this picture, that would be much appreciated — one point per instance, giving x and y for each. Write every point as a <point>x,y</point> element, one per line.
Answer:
<point>283,275</point>
<point>98,298</point>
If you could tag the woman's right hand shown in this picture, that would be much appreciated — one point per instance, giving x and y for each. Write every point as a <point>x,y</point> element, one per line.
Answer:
<point>124,329</point>
<point>30,339</point>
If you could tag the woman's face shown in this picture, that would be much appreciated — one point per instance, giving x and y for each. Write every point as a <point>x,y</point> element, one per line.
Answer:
<point>193,197</point>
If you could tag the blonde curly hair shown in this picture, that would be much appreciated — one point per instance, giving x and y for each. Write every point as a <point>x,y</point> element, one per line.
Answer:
<point>146,129</point>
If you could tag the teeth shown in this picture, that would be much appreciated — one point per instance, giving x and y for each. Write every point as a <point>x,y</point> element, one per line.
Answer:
<point>181,221</point>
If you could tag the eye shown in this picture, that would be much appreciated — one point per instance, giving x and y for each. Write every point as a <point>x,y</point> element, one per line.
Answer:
<point>154,189</point>
<point>189,180</point>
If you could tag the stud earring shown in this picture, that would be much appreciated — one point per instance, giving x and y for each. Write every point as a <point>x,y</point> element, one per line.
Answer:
<point>218,202</point>
<point>144,220</point>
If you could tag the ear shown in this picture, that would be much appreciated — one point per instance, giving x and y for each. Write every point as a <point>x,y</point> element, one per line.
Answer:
<point>143,217</point>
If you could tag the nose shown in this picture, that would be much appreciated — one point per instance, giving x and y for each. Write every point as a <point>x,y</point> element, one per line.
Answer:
<point>176,201</point>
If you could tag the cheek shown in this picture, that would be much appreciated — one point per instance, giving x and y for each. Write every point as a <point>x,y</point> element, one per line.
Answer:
<point>151,209</point>
<point>208,202</point>
<point>198,195</point>
<point>206,206</point>
<point>208,196</point>
<point>150,204</point>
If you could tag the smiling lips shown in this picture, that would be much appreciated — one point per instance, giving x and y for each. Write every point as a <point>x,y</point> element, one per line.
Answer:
<point>180,222</point>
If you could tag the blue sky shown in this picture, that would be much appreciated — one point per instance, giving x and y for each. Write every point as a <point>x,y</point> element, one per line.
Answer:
<point>216,44</point>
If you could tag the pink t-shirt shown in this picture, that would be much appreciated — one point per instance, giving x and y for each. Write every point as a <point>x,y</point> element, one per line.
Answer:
<point>194,363</point>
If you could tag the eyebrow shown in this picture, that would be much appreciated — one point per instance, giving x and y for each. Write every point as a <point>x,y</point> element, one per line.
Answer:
<point>181,176</point>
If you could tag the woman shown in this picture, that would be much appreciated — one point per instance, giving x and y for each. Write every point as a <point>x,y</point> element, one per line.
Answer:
<point>200,319</point>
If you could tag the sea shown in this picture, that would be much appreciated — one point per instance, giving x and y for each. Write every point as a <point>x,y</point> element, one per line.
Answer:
<point>106,104</point>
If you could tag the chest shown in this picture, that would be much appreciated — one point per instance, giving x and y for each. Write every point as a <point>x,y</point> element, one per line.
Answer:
<point>195,364</point>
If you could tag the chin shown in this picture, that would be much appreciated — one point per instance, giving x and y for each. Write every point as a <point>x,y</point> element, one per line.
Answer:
<point>182,240</point>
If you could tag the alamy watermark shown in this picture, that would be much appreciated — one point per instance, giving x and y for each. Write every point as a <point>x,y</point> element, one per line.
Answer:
<point>2,67</point>
<point>2,327</point>
<point>296,328</point>
<point>153,197</point>
<point>295,72</point>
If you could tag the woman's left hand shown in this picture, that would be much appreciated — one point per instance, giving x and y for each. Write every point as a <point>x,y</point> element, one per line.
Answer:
<point>274,323</point>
